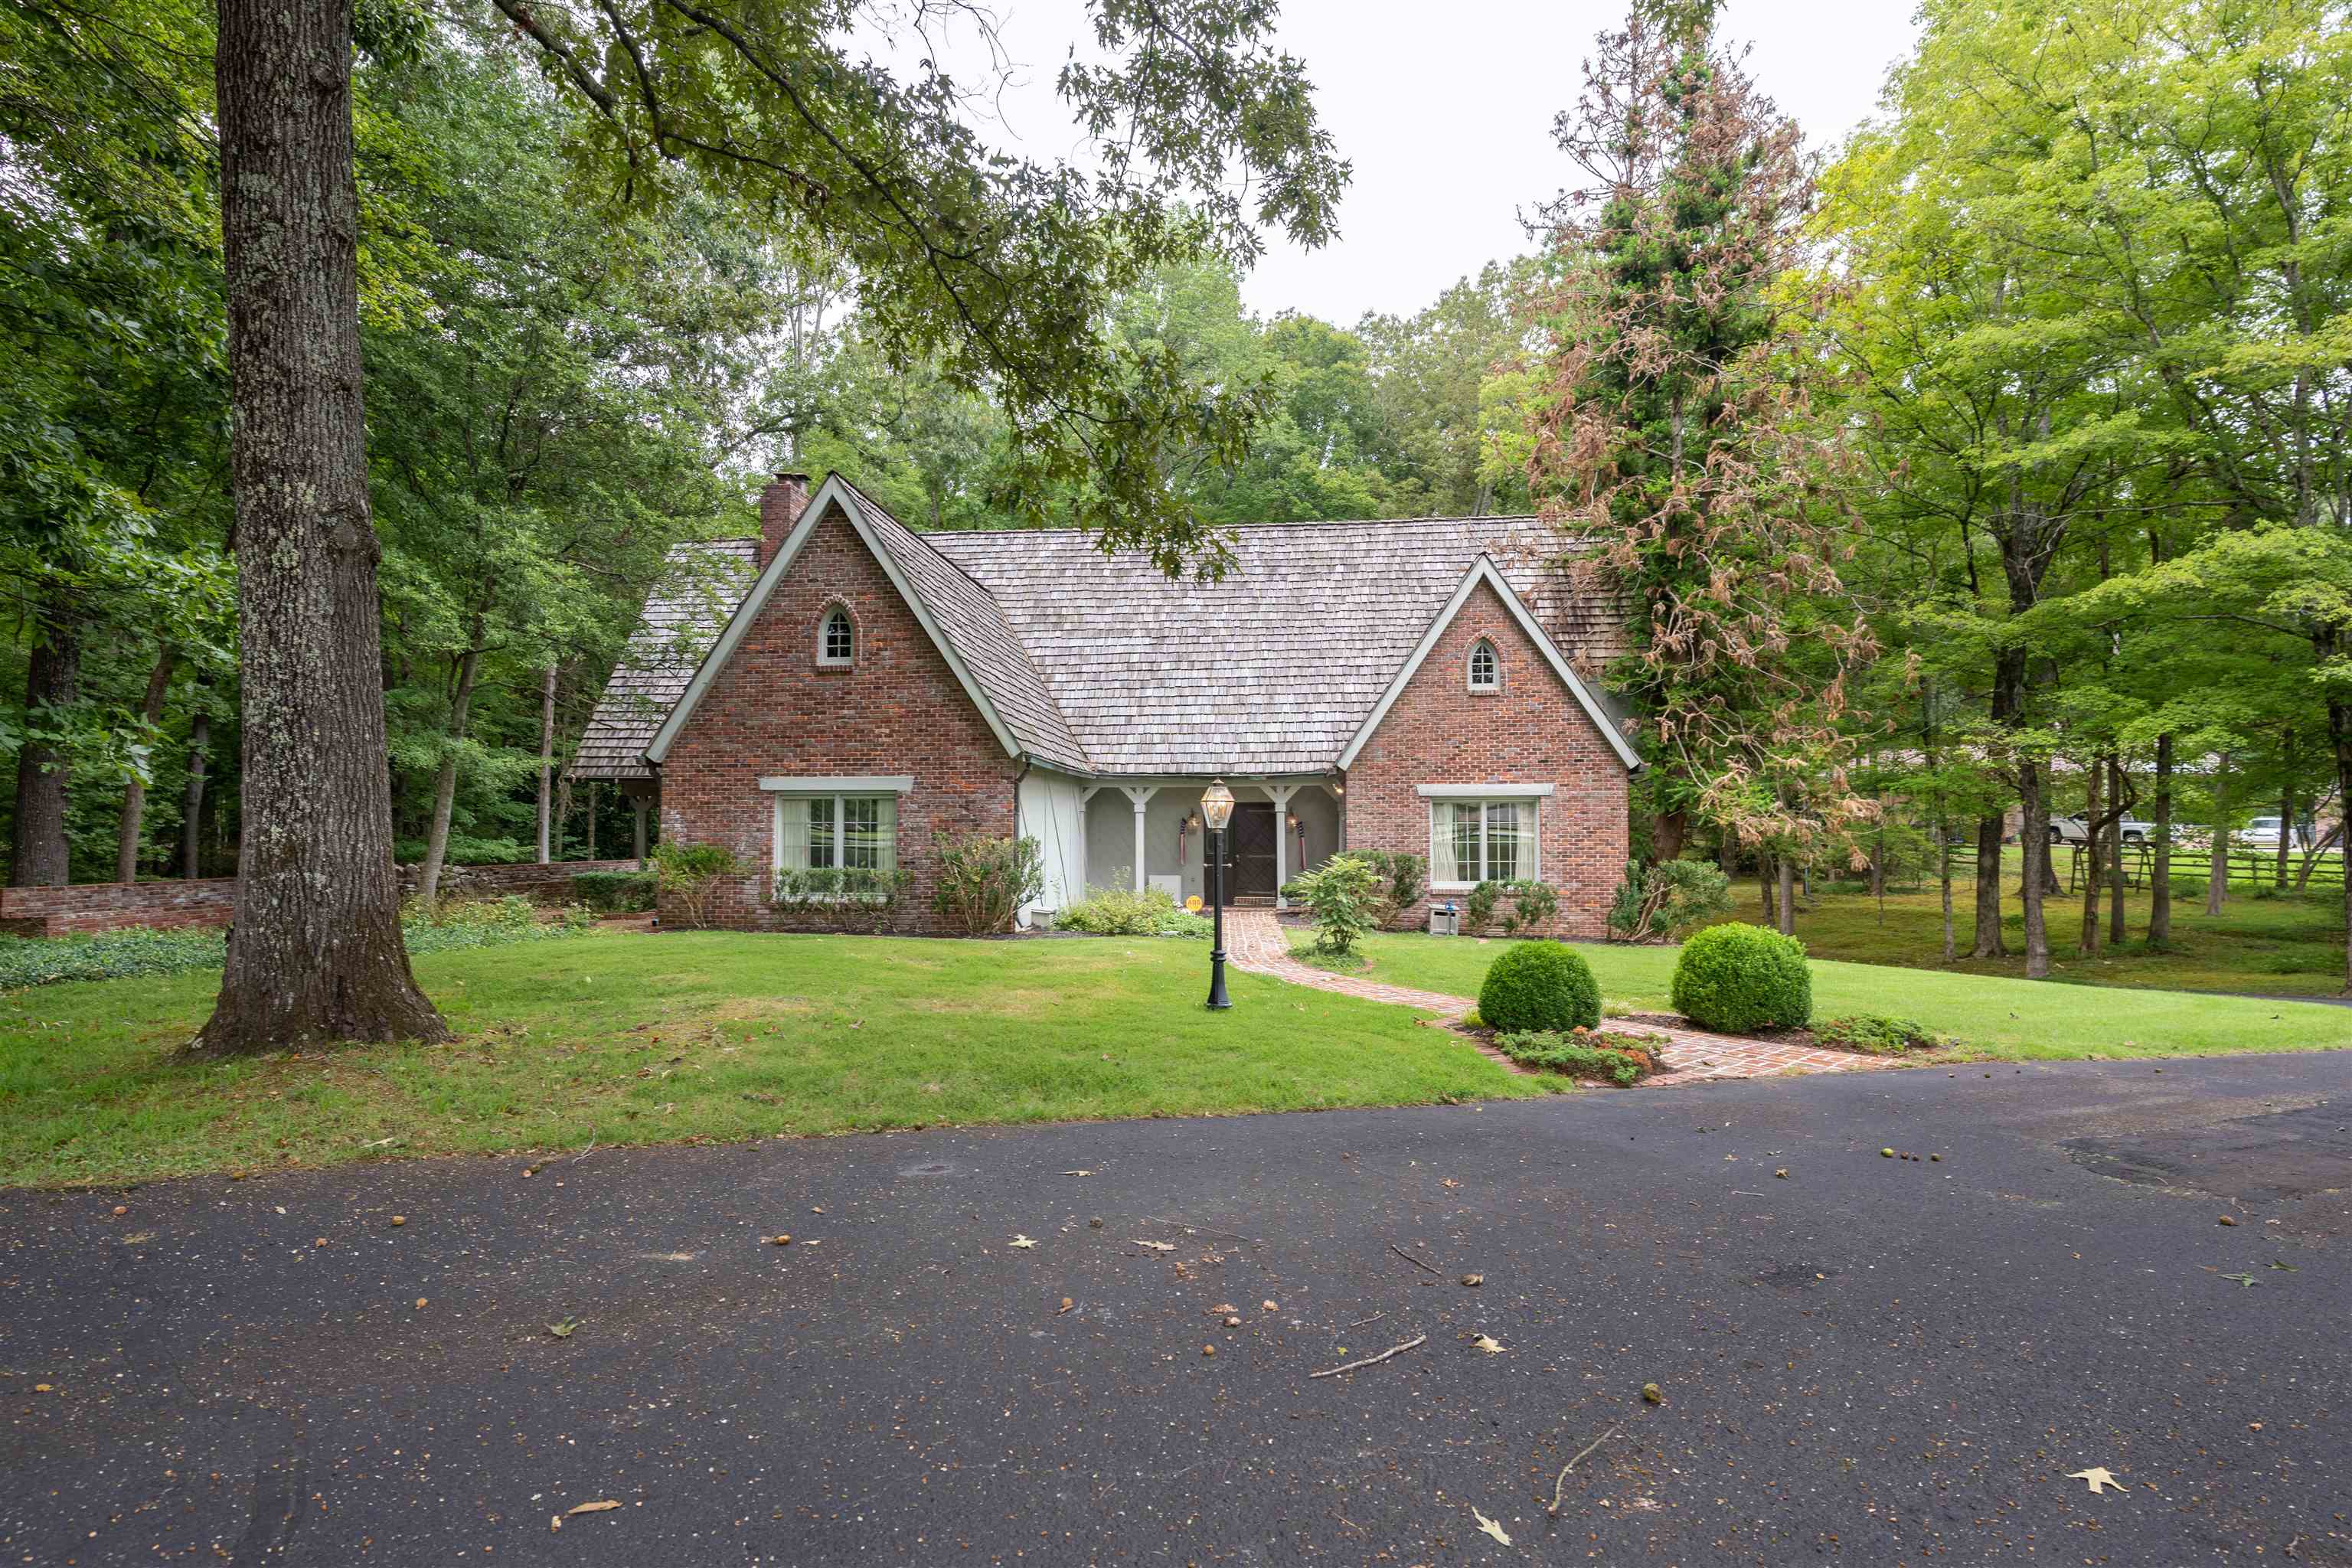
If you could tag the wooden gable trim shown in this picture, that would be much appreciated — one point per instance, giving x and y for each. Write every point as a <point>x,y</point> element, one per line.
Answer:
<point>1483,569</point>
<point>834,493</point>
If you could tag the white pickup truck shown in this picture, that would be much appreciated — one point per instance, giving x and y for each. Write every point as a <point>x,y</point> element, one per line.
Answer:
<point>2075,829</point>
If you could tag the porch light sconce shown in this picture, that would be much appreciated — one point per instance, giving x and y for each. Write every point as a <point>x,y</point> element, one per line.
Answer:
<point>1217,809</point>
<point>1184,831</point>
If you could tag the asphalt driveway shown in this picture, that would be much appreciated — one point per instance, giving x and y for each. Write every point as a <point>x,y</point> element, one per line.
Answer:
<point>1882,1360</point>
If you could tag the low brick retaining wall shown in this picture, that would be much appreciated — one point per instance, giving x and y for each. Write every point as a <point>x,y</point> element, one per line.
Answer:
<point>212,900</point>
<point>109,905</point>
<point>551,882</point>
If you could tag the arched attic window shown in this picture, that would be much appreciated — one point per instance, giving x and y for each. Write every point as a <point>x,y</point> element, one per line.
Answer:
<point>1486,670</point>
<point>837,637</point>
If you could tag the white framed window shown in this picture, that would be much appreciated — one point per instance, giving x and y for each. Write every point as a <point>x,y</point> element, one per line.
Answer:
<point>1483,840</point>
<point>836,638</point>
<point>1486,670</point>
<point>835,832</point>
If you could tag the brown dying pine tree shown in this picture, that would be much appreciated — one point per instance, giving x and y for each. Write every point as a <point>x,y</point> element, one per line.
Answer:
<point>316,952</point>
<point>1676,442</point>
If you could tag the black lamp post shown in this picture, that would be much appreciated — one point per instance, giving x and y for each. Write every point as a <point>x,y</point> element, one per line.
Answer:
<point>1217,810</point>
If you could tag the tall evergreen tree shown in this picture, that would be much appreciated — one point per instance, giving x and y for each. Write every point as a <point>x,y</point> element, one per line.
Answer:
<point>1676,438</point>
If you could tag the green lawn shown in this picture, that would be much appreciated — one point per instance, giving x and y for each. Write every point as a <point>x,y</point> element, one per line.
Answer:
<point>1996,1017</point>
<point>631,1038</point>
<point>2283,945</point>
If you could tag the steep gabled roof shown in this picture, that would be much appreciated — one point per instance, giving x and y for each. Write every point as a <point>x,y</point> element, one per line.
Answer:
<point>1275,668</point>
<point>1100,665</point>
<point>973,620</point>
<point>699,587</point>
<point>962,618</point>
<point>1484,570</point>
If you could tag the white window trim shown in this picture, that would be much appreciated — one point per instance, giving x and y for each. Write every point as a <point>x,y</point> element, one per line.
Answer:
<point>824,625</point>
<point>1484,795</point>
<point>845,784</point>
<point>1470,666</point>
<point>1485,791</point>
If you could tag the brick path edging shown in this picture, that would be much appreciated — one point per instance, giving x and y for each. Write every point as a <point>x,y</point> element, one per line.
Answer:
<point>1254,942</point>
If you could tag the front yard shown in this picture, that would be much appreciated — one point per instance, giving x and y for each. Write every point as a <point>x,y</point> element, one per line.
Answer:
<point>620,1038</point>
<point>1997,1018</point>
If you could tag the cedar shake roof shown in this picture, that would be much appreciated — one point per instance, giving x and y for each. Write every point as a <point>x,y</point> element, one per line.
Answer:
<point>1101,665</point>
<point>973,620</point>
<point>1275,668</point>
<point>700,586</point>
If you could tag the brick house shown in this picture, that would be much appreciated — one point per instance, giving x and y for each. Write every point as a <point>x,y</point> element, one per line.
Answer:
<point>842,688</point>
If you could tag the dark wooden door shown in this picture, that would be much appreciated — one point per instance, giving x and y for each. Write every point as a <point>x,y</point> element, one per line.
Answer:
<point>1249,870</point>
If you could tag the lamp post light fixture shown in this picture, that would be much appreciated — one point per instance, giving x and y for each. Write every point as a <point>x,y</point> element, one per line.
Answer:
<point>1217,810</point>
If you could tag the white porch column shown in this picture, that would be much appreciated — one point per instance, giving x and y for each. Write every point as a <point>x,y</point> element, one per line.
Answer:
<point>1280,795</point>
<point>1086,838</point>
<point>1141,794</point>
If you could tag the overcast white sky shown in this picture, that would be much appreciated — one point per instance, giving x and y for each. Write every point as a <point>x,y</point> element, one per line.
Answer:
<point>1446,111</point>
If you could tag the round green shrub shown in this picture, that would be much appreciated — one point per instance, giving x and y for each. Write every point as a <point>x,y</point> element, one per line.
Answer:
<point>1539,985</point>
<point>1740,977</point>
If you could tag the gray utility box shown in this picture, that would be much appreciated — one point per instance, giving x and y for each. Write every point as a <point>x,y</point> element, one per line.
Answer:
<point>1445,922</point>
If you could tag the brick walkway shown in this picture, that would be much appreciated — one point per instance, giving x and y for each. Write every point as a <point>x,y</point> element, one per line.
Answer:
<point>1254,942</point>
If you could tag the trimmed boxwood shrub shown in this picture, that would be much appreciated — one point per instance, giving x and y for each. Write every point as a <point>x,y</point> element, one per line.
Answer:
<point>1740,977</point>
<point>1539,985</point>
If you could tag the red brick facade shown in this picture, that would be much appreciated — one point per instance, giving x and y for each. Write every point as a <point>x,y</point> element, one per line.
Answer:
<point>773,710</point>
<point>1531,731</point>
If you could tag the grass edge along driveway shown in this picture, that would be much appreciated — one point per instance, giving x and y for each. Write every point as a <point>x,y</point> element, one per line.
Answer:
<point>631,1038</point>
<point>1995,1018</point>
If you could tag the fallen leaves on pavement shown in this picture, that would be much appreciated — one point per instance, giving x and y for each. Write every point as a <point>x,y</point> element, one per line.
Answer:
<point>1487,1526</point>
<point>2098,1475</point>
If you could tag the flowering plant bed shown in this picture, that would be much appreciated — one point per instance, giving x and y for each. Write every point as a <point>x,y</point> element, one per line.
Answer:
<point>1623,1059</point>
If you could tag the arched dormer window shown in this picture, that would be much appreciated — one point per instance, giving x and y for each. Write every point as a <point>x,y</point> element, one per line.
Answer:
<point>1486,670</point>
<point>836,638</point>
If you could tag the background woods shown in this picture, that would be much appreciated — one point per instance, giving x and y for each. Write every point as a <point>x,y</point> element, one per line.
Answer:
<point>1992,467</point>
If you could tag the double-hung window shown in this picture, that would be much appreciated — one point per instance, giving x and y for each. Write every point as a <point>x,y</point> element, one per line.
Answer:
<point>1473,841</point>
<point>836,832</point>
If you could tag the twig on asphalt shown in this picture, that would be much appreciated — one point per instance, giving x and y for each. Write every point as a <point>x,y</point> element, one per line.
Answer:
<point>1408,1257</point>
<point>1372,1360</point>
<point>1571,1464</point>
<point>588,1151</point>
<point>1204,1229</point>
<point>1375,1318</point>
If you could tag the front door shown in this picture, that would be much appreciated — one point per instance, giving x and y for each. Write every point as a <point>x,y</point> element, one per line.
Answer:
<point>1249,870</point>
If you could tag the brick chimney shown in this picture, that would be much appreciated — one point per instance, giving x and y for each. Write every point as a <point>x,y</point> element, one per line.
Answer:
<point>781,505</point>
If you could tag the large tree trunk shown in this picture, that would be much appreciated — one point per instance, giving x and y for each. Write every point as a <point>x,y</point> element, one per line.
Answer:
<point>2117,798</point>
<point>546,756</point>
<point>445,778</point>
<point>192,802</point>
<point>2035,835</point>
<point>316,952</point>
<point>2160,903</point>
<point>132,822</point>
<point>2217,864</point>
<point>1788,920</point>
<point>38,856</point>
<point>1944,878</point>
<point>1987,943</point>
<point>2286,829</point>
<point>1668,832</point>
<point>2091,836</point>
